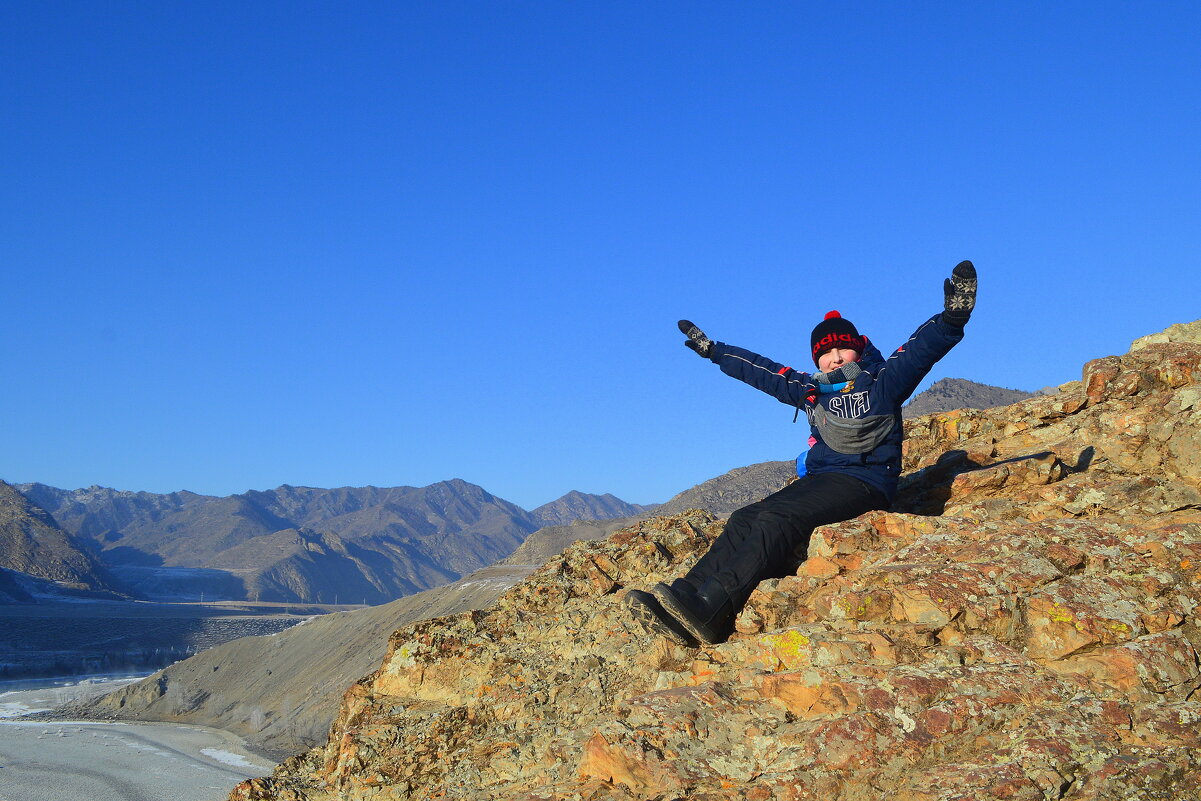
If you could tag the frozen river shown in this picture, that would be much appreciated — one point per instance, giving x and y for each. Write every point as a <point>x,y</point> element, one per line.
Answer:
<point>49,760</point>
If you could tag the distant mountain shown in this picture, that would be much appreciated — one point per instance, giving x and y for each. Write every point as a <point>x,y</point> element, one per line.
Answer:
<point>582,506</point>
<point>720,496</point>
<point>959,393</point>
<point>550,540</point>
<point>303,544</point>
<point>733,490</point>
<point>325,568</point>
<point>33,547</point>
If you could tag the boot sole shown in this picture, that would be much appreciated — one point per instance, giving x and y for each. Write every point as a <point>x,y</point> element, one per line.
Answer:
<point>656,620</point>
<point>670,604</point>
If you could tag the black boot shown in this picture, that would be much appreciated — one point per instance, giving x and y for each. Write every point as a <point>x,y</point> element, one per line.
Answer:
<point>707,612</point>
<point>655,619</point>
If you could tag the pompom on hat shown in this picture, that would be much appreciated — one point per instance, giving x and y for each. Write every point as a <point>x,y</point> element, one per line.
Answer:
<point>835,332</point>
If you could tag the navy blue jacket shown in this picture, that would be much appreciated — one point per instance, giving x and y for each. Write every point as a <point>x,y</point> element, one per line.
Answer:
<point>881,388</point>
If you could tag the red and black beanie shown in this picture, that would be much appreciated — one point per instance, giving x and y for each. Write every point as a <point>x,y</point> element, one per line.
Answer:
<point>835,332</point>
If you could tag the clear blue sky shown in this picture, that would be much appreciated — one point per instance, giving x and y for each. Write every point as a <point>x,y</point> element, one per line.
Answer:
<point>248,244</point>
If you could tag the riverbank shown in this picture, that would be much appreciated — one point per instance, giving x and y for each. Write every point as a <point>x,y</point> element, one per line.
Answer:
<point>43,758</point>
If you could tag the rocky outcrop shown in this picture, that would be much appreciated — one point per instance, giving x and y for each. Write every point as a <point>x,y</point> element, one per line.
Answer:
<point>545,543</point>
<point>1180,332</point>
<point>1023,627</point>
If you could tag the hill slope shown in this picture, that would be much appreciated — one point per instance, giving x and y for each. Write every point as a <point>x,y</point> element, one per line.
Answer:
<point>281,692</point>
<point>948,394</point>
<point>581,506</point>
<point>31,544</point>
<point>1024,627</point>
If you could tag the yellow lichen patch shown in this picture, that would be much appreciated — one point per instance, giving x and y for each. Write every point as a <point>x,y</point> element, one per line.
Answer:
<point>788,649</point>
<point>405,656</point>
<point>855,605</point>
<point>1059,614</point>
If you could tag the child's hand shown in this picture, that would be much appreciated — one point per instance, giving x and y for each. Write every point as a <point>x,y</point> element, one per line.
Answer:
<point>959,294</point>
<point>697,340</point>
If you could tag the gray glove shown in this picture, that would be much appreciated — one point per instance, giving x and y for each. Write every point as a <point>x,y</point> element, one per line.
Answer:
<point>696,338</point>
<point>959,294</point>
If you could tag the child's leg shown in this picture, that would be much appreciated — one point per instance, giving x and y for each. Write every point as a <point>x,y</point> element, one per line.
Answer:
<point>764,540</point>
<point>769,538</point>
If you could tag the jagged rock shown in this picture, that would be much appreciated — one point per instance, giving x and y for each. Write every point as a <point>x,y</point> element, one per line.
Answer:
<point>1180,332</point>
<point>1023,625</point>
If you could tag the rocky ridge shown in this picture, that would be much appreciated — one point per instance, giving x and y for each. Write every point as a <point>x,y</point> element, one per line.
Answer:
<point>1023,627</point>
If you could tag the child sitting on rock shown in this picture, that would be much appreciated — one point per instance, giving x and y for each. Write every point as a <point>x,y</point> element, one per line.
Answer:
<point>853,403</point>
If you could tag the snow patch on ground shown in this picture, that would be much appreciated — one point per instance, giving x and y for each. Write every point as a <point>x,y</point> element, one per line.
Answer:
<point>301,623</point>
<point>226,757</point>
<point>16,709</point>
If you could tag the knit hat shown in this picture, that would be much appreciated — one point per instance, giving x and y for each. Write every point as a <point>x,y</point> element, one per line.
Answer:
<point>835,332</point>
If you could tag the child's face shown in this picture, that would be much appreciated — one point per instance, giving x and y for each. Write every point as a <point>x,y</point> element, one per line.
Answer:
<point>835,358</point>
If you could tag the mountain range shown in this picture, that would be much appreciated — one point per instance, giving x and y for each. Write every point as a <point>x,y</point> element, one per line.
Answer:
<point>301,544</point>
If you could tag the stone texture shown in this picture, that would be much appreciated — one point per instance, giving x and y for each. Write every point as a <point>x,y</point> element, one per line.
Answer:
<point>1023,625</point>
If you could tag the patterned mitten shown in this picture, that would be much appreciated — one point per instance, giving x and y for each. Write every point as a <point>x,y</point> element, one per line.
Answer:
<point>960,294</point>
<point>696,338</point>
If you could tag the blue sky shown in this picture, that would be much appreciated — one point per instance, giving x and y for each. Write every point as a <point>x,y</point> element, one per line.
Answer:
<point>329,244</point>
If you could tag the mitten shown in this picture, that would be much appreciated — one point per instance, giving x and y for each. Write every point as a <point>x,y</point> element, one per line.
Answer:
<point>959,294</point>
<point>696,338</point>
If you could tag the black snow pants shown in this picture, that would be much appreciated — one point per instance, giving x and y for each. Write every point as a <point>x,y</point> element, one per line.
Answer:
<point>770,538</point>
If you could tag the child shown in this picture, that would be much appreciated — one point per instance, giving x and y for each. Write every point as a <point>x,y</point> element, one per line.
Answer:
<point>853,403</point>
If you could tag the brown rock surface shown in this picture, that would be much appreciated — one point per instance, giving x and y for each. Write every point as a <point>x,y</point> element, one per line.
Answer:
<point>1023,626</point>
